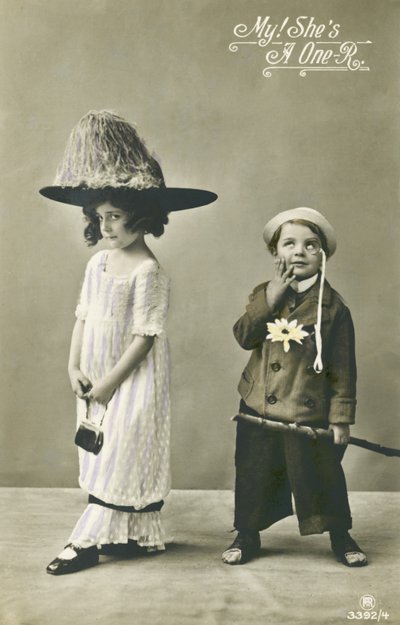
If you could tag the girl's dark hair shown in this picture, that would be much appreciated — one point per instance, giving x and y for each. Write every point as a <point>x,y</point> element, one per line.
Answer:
<point>301,222</point>
<point>152,217</point>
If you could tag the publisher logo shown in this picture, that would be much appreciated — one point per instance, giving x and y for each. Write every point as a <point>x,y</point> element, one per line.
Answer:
<point>367,602</point>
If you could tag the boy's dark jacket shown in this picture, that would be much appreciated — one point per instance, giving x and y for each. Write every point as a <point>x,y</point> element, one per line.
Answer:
<point>284,386</point>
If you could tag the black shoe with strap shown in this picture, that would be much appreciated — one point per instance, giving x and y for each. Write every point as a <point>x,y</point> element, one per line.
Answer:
<point>245,547</point>
<point>85,558</point>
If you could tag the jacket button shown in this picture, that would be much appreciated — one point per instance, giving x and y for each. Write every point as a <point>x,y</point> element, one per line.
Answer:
<point>271,399</point>
<point>275,366</point>
<point>310,403</point>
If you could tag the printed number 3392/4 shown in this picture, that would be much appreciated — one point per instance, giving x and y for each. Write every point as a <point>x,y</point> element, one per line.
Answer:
<point>367,616</point>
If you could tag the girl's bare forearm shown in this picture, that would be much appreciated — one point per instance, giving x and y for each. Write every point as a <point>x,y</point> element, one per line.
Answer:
<point>130,359</point>
<point>76,345</point>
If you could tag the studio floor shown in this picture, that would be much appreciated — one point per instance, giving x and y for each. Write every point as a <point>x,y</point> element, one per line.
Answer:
<point>295,580</point>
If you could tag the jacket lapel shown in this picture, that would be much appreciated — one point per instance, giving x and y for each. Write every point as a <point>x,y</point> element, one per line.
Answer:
<point>306,312</point>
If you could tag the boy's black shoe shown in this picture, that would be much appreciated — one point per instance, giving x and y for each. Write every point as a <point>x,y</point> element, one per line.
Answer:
<point>245,547</point>
<point>346,549</point>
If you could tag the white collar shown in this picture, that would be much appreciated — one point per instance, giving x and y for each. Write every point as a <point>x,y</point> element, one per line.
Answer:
<point>303,285</point>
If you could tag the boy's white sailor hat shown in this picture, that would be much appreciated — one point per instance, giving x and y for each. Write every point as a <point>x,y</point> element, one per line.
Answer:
<point>302,212</point>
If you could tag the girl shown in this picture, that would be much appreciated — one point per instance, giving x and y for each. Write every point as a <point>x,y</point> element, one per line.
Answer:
<point>119,361</point>
<point>302,369</point>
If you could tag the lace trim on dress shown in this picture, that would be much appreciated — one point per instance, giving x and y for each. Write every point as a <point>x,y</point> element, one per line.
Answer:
<point>101,526</point>
<point>147,330</point>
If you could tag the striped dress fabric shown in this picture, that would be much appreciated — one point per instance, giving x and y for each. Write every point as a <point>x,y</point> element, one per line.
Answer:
<point>133,466</point>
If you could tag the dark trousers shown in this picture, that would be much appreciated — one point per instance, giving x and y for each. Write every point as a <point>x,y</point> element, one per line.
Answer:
<point>271,466</point>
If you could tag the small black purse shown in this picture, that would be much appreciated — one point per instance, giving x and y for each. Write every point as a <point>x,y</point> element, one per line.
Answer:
<point>90,436</point>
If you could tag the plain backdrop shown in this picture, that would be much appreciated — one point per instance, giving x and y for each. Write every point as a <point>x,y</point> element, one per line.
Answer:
<point>328,140</point>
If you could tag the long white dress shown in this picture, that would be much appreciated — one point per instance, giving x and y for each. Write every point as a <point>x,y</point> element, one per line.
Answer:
<point>133,466</point>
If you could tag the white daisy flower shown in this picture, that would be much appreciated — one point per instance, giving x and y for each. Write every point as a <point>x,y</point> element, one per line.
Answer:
<point>283,331</point>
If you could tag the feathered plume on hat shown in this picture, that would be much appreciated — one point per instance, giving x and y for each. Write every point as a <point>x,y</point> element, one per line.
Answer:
<point>105,152</point>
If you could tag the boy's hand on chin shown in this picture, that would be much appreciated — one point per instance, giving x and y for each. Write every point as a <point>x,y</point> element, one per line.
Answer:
<point>280,282</point>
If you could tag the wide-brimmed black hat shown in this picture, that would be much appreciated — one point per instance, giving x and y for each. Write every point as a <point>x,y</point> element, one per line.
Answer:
<point>104,153</point>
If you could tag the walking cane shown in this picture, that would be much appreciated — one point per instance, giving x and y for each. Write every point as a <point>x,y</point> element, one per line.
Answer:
<point>305,430</point>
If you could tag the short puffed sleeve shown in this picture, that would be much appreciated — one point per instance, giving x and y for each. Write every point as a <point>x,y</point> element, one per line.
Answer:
<point>151,300</point>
